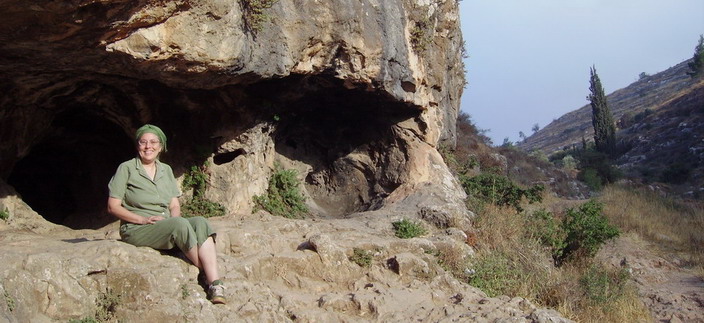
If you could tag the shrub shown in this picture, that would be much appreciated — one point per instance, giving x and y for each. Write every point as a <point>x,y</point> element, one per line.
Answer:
<point>542,226</point>
<point>406,229</point>
<point>283,196</point>
<point>590,177</point>
<point>197,179</point>
<point>202,207</point>
<point>500,190</point>
<point>569,163</point>
<point>361,257</point>
<point>4,215</point>
<point>586,229</point>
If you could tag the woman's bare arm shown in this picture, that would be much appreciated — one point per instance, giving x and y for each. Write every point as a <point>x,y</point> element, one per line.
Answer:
<point>175,207</point>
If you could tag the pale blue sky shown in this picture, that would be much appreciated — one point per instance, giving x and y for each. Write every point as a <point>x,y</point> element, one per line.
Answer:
<point>529,60</point>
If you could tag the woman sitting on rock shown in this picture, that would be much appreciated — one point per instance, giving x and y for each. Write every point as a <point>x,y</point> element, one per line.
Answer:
<point>144,196</point>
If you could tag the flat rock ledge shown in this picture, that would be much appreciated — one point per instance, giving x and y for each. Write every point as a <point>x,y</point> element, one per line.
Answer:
<point>275,269</point>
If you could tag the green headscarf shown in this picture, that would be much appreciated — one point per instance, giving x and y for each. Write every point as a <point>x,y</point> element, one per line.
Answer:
<point>148,128</point>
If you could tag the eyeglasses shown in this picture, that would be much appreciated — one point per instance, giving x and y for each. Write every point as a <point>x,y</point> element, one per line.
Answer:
<point>145,142</point>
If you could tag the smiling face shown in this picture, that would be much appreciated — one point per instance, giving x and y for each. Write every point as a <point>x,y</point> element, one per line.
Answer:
<point>149,147</point>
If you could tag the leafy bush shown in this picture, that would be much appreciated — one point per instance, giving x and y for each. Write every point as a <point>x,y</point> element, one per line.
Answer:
<point>406,229</point>
<point>569,163</point>
<point>4,215</point>
<point>197,179</point>
<point>361,257</point>
<point>586,229</point>
<point>590,177</point>
<point>500,190</point>
<point>602,286</point>
<point>543,227</point>
<point>595,169</point>
<point>283,196</point>
<point>202,207</point>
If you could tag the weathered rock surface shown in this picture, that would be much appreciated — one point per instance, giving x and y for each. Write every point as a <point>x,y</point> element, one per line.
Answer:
<point>275,269</point>
<point>354,95</point>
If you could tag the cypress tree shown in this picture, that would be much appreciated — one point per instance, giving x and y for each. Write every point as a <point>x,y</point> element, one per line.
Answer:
<point>602,120</point>
<point>697,64</point>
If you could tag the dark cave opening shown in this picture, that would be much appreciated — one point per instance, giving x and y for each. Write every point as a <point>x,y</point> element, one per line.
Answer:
<point>330,127</point>
<point>64,177</point>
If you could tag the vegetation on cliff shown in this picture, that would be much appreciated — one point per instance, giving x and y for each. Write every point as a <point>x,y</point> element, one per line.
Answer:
<point>517,252</point>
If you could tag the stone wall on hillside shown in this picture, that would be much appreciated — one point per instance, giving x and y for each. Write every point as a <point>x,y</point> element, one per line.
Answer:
<point>355,95</point>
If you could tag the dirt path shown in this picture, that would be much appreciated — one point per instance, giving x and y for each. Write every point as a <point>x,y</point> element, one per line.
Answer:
<point>672,292</point>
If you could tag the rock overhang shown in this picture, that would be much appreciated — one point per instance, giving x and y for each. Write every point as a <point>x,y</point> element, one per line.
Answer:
<point>324,98</point>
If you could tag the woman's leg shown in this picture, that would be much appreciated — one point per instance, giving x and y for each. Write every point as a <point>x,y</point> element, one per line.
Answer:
<point>205,258</point>
<point>205,251</point>
<point>209,260</point>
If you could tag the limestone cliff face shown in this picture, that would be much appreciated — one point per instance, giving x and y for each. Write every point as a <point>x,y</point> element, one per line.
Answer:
<point>355,95</point>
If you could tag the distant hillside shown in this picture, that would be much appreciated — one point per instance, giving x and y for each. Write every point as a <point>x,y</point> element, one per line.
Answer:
<point>647,93</point>
<point>660,130</point>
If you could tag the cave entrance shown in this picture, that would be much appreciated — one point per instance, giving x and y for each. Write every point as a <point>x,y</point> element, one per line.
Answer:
<point>346,138</point>
<point>64,177</point>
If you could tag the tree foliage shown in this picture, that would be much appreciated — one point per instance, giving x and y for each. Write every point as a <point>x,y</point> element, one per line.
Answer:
<point>697,64</point>
<point>602,119</point>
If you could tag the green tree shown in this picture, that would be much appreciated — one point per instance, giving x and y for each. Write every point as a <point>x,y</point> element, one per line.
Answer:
<point>602,119</point>
<point>697,64</point>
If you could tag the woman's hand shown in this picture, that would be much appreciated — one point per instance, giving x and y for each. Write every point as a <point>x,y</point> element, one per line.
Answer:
<point>115,208</point>
<point>153,219</point>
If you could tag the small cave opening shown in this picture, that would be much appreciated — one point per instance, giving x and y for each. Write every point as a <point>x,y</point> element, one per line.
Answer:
<point>64,176</point>
<point>224,158</point>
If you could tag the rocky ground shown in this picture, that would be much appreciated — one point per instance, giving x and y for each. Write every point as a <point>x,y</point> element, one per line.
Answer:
<point>671,291</point>
<point>276,269</point>
<point>279,269</point>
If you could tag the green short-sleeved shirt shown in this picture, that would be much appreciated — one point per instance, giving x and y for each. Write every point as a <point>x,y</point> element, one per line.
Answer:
<point>141,195</point>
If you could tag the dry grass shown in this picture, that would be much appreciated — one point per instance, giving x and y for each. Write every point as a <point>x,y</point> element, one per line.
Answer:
<point>523,267</point>
<point>672,225</point>
<point>504,244</point>
<point>568,298</point>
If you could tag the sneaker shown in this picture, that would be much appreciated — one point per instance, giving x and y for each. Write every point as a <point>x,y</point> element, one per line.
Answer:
<point>216,292</point>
